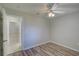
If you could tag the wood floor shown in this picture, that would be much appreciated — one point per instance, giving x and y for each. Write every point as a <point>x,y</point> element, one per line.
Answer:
<point>49,49</point>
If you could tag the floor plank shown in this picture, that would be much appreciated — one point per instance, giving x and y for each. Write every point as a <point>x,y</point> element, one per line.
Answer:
<point>48,49</point>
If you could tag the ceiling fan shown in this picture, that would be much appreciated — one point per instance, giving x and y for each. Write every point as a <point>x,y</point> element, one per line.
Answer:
<point>50,9</point>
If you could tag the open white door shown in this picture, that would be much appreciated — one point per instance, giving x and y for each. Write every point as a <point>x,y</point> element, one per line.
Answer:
<point>5,32</point>
<point>12,33</point>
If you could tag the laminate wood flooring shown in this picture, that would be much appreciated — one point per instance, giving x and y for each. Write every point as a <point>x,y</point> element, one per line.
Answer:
<point>48,49</point>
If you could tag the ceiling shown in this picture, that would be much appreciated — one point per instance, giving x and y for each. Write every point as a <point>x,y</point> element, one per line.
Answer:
<point>35,7</point>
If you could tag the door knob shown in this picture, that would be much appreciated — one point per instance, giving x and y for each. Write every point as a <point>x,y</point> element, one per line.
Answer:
<point>4,40</point>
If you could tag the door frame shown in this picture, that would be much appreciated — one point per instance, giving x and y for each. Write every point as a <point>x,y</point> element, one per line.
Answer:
<point>11,20</point>
<point>6,30</point>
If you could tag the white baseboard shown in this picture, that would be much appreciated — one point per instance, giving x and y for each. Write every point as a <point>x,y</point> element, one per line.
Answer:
<point>36,45</point>
<point>64,46</point>
<point>51,42</point>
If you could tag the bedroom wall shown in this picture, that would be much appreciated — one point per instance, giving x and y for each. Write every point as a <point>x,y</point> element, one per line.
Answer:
<point>65,30</point>
<point>35,29</point>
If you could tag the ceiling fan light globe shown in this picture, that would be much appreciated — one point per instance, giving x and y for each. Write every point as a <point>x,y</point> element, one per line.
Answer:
<point>51,15</point>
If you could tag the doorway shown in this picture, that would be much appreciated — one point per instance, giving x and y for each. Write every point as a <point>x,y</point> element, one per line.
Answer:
<point>12,33</point>
<point>14,37</point>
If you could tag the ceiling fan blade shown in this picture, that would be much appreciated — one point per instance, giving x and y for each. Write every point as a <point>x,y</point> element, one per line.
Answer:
<point>43,12</point>
<point>59,12</point>
<point>54,6</point>
<point>50,5</point>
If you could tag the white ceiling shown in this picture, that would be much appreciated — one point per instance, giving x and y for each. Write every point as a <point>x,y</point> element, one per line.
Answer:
<point>24,7</point>
<point>35,7</point>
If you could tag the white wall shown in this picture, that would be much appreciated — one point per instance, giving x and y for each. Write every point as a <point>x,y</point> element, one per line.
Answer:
<point>65,30</point>
<point>35,29</point>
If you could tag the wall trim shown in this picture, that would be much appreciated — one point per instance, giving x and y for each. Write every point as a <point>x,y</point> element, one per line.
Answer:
<point>36,45</point>
<point>64,46</point>
<point>51,42</point>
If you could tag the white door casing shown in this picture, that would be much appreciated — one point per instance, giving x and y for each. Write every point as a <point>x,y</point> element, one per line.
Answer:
<point>6,22</point>
<point>16,37</point>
